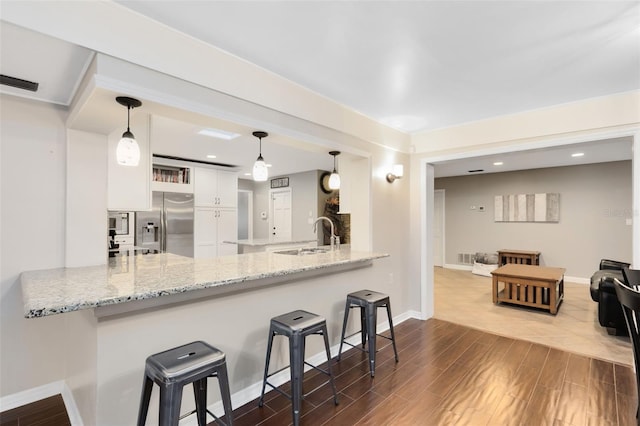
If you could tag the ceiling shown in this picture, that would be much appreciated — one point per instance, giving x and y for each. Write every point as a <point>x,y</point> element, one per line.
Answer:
<point>415,65</point>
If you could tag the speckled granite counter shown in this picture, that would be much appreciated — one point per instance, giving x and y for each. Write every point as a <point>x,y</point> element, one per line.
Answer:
<point>257,245</point>
<point>133,278</point>
<point>257,242</point>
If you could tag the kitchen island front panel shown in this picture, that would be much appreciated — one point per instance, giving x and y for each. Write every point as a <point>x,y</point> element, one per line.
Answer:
<point>142,277</point>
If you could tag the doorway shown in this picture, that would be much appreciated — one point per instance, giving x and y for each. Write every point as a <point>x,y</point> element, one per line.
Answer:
<point>280,214</point>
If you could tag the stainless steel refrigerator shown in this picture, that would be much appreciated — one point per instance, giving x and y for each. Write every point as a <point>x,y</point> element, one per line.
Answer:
<point>168,227</point>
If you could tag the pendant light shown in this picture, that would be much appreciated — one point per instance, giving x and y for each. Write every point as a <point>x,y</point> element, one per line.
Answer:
<point>128,151</point>
<point>260,171</point>
<point>334,179</point>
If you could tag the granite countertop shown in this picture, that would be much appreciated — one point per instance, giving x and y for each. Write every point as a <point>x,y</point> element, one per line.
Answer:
<point>255,242</point>
<point>139,277</point>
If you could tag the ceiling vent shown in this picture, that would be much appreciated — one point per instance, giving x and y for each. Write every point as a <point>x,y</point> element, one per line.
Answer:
<point>19,83</point>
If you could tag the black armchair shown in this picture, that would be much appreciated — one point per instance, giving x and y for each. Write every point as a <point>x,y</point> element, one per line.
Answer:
<point>603,291</point>
<point>629,297</point>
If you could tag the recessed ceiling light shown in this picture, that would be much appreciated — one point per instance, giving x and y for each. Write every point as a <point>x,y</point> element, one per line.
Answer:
<point>577,154</point>
<point>498,163</point>
<point>217,133</point>
<point>247,174</point>
<point>211,156</point>
<point>269,165</point>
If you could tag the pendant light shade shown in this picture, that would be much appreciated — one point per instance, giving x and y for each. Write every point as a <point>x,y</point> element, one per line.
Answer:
<point>260,171</point>
<point>128,151</point>
<point>334,179</point>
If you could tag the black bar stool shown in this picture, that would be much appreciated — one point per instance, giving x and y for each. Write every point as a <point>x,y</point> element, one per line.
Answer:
<point>177,367</point>
<point>368,301</point>
<point>297,325</point>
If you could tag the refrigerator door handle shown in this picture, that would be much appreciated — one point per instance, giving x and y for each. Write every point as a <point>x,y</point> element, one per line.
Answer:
<point>163,236</point>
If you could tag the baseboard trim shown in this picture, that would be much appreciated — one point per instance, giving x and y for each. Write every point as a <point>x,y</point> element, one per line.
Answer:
<point>9,402</point>
<point>28,396</point>
<point>458,267</point>
<point>253,391</point>
<point>577,280</point>
<point>72,408</point>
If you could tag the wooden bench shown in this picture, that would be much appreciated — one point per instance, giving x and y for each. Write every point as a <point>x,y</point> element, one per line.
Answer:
<point>520,257</point>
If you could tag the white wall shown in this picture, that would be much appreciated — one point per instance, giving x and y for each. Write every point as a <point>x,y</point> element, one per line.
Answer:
<point>32,236</point>
<point>595,203</point>
<point>573,119</point>
<point>304,200</point>
<point>86,239</point>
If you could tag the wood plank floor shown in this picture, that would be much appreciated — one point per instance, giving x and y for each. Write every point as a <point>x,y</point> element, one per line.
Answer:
<point>450,374</point>
<point>464,298</point>
<point>46,412</point>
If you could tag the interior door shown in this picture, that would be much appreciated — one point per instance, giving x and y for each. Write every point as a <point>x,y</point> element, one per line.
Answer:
<point>280,223</point>
<point>438,227</point>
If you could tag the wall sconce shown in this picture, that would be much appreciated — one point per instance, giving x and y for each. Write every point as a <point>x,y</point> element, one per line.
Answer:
<point>128,151</point>
<point>396,173</point>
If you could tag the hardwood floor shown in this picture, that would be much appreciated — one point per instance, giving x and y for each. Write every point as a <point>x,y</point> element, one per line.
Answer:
<point>450,374</point>
<point>476,374</point>
<point>46,412</point>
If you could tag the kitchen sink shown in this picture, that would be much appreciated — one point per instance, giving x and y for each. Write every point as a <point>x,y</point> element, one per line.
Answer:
<point>303,251</point>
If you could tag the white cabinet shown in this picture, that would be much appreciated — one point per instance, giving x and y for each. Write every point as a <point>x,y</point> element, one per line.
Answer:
<point>212,226</point>
<point>215,188</point>
<point>129,188</point>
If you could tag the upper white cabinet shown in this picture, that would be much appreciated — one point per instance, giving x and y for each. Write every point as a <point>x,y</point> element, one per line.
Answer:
<point>129,188</point>
<point>215,188</point>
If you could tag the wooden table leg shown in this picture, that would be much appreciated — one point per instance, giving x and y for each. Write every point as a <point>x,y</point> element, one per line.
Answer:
<point>553,307</point>
<point>495,289</point>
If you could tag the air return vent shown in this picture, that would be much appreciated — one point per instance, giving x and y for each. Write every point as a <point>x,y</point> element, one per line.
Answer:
<point>19,83</point>
<point>466,258</point>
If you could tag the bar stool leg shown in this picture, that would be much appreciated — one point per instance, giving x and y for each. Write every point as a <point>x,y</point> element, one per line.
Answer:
<point>266,365</point>
<point>363,325</point>
<point>344,327</point>
<point>223,380</point>
<point>296,354</point>
<point>393,337</point>
<point>200,396</point>
<point>326,347</point>
<point>147,385</point>
<point>371,320</point>
<point>170,399</point>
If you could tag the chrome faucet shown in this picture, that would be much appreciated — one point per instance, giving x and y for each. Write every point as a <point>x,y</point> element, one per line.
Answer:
<point>335,240</point>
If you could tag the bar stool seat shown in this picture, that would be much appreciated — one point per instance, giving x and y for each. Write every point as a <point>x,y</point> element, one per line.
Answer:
<point>297,325</point>
<point>172,369</point>
<point>368,301</point>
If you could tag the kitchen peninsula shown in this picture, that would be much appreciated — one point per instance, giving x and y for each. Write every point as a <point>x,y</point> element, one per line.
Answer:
<point>134,306</point>
<point>146,277</point>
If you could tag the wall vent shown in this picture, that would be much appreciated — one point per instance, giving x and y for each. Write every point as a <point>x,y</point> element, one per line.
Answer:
<point>466,258</point>
<point>18,83</point>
